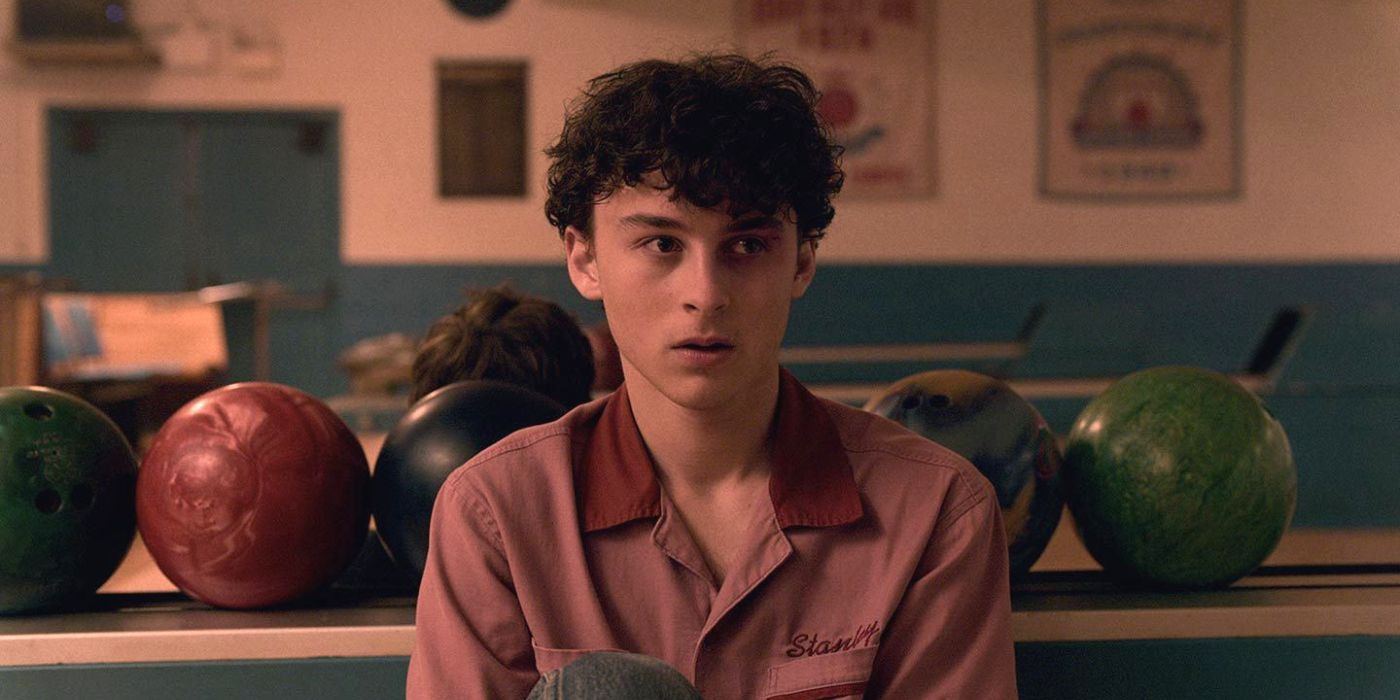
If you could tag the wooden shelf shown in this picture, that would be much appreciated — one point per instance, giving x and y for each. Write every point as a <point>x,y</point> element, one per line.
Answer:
<point>1051,607</point>
<point>172,628</point>
<point>1285,603</point>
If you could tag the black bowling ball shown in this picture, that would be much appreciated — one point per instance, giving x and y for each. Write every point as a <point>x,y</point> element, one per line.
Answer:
<point>438,434</point>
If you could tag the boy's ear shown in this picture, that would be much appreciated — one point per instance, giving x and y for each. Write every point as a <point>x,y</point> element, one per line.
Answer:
<point>806,267</point>
<point>583,264</point>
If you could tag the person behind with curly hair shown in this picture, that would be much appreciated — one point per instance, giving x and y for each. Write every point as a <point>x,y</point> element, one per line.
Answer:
<point>511,337</point>
<point>711,527</point>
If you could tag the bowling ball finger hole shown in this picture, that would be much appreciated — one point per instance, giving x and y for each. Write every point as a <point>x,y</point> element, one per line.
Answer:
<point>38,411</point>
<point>48,501</point>
<point>81,497</point>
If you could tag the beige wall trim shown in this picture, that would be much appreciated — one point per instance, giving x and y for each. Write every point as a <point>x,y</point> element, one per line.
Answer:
<point>153,646</point>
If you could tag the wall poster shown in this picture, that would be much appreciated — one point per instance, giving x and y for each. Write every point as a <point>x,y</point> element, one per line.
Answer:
<point>873,62</point>
<point>1140,99</point>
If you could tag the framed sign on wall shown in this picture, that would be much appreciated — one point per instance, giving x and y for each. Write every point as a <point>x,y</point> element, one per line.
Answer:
<point>873,63</point>
<point>1140,99</point>
<point>481,128</point>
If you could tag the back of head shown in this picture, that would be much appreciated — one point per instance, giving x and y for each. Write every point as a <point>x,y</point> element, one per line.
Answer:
<point>503,335</point>
<point>717,128</point>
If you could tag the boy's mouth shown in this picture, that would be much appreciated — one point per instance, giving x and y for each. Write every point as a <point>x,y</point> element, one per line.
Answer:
<point>704,352</point>
<point>706,344</point>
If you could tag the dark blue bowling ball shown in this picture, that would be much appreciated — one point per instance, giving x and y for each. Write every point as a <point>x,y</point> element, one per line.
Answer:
<point>988,423</point>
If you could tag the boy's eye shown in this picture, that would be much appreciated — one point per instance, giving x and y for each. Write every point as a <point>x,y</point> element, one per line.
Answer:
<point>663,244</point>
<point>748,246</point>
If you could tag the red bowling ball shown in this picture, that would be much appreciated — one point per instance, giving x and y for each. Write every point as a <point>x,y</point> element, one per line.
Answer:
<point>253,495</point>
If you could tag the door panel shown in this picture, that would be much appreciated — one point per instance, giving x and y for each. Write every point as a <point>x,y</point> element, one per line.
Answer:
<point>270,187</point>
<point>117,219</point>
<point>168,201</point>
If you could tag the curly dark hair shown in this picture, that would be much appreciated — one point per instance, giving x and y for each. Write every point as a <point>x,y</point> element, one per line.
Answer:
<point>717,128</point>
<point>511,337</point>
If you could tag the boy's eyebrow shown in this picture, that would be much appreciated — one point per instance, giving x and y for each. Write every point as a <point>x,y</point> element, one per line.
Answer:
<point>755,222</point>
<point>651,221</point>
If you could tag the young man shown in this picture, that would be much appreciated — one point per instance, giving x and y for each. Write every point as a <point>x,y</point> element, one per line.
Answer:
<point>711,513</point>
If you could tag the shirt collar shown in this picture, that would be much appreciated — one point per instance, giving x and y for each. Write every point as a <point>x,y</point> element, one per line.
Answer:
<point>812,482</point>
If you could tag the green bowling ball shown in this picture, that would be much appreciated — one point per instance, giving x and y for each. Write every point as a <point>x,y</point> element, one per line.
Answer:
<point>67,498</point>
<point>1179,477</point>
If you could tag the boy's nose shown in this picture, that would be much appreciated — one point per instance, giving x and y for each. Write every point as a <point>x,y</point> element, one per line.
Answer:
<point>705,289</point>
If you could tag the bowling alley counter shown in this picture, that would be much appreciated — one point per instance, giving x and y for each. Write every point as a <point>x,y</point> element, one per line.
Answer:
<point>1287,632</point>
<point>1050,607</point>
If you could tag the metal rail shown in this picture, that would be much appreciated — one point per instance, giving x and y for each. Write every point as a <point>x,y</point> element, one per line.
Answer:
<point>1261,374</point>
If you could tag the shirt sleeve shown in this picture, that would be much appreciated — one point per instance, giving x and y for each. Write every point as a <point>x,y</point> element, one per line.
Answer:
<point>472,640</point>
<point>950,637</point>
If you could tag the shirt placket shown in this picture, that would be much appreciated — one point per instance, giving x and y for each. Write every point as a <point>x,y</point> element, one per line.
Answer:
<point>763,553</point>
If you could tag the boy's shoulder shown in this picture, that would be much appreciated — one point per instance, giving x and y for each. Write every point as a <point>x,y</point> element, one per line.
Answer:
<point>531,460</point>
<point>888,458</point>
<point>889,462</point>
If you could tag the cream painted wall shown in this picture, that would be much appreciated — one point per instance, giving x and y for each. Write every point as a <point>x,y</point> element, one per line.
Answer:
<point>1321,130</point>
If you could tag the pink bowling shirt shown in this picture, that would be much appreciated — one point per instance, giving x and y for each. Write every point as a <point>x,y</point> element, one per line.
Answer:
<point>880,570</point>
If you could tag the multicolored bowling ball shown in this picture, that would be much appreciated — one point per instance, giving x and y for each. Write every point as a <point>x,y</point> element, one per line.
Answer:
<point>253,495</point>
<point>988,423</point>
<point>67,498</point>
<point>1179,477</point>
<point>438,434</point>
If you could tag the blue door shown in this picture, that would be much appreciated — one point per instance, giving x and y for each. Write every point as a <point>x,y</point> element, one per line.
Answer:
<point>170,201</point>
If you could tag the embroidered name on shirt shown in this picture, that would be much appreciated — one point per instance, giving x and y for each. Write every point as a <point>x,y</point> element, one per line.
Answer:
<point>803,644</point>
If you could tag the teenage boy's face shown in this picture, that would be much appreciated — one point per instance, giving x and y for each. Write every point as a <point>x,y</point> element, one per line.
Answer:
<point>697,299</point>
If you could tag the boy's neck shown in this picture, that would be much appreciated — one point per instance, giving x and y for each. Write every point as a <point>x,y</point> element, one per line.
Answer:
<point>711,449</point>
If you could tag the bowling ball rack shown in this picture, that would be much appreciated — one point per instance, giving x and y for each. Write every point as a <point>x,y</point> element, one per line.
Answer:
<point>1260,374</point>
<point>125,628</point>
